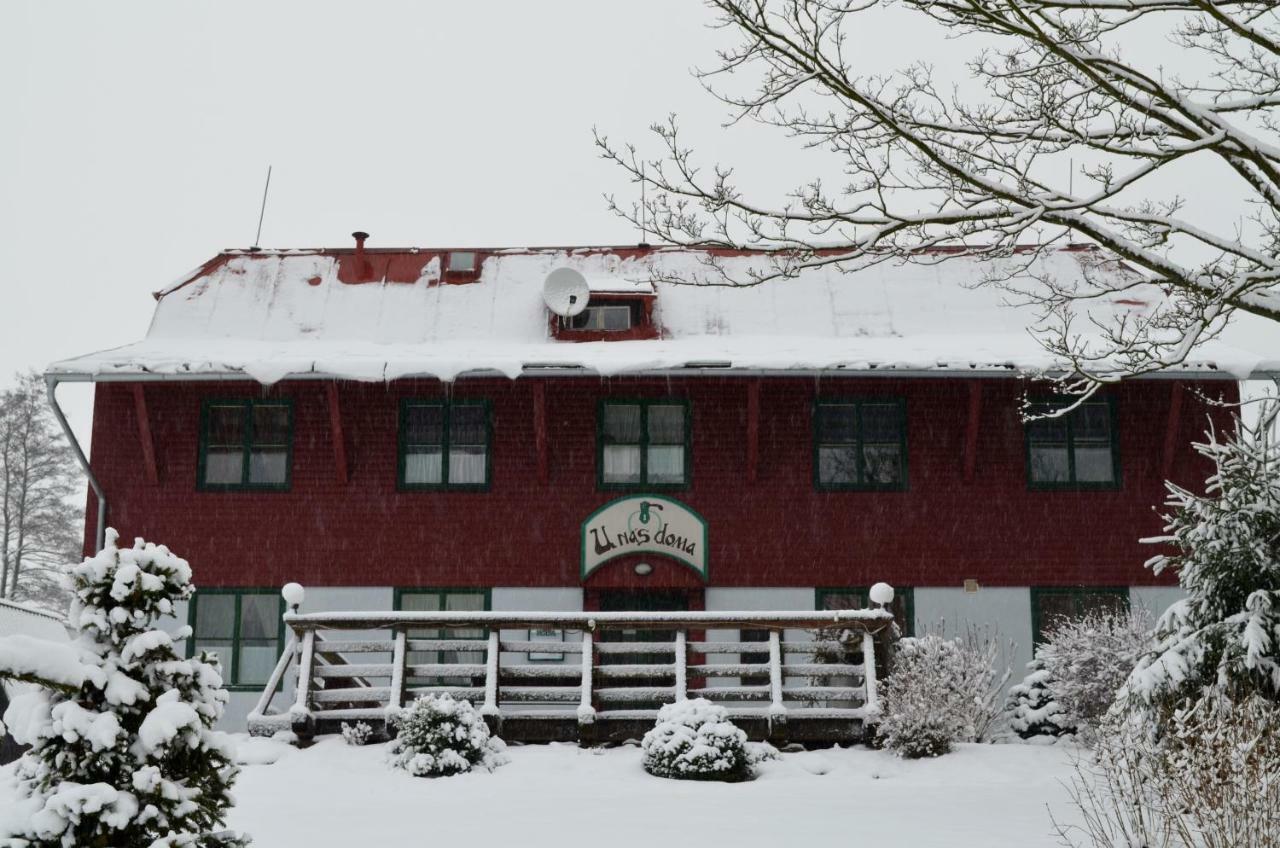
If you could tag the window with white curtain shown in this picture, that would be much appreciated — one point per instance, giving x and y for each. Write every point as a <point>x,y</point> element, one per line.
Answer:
<point>644,442</point>
<point>444,444</point>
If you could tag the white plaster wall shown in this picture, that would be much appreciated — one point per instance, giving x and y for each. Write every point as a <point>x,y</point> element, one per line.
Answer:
<point>1006,610</point>
<point>1155,599</point>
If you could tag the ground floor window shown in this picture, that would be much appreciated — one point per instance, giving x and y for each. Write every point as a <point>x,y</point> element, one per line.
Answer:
<point>762,678</point>
<point>1053,604</point>
<point>444,600</point>
<point>241,626</point>
<point>857,597</point>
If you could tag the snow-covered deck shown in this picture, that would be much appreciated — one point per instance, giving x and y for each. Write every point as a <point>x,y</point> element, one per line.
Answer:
<point>628,664</point>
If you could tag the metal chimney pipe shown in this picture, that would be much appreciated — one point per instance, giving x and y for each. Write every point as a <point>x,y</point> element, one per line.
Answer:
<point>359,237</point>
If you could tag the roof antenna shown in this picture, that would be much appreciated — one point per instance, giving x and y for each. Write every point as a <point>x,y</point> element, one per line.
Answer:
<point>262,212</point>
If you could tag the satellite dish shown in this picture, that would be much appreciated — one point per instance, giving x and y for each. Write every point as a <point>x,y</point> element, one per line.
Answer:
<point>566,292</point>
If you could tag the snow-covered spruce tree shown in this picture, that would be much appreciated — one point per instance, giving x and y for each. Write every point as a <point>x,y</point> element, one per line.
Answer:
<point>438,736</point>
<point>1225,635</point>
<point>694,740</point>
<point>1033,709</point>
<point>123,753</point>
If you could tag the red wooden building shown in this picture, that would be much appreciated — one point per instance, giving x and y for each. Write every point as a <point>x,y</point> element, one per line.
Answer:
<point>414,429</point>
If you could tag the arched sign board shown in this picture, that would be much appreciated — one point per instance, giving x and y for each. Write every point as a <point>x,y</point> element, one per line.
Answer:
<point>644,524</point>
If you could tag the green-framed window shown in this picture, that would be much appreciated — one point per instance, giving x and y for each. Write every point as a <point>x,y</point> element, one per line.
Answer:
<point>444,444</point>
<point>245,444</point>
<point>243,627</point>
<point>1076,450</point>
<point>644,443</point>
<point>858,597</point>
<point>444,600</point>
<point>860,443</point>
<point>1054,603</point>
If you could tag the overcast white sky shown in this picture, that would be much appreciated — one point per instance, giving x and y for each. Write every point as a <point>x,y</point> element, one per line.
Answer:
<point>136,137</point>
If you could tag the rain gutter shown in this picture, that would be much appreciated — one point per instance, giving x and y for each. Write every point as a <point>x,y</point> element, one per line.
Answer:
<point>51,382</point>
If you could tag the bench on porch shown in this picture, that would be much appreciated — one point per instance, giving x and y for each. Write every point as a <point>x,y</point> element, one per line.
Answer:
<point>612,678</point>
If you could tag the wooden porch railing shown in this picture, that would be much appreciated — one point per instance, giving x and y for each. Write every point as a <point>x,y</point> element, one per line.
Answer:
<point>783,689</point>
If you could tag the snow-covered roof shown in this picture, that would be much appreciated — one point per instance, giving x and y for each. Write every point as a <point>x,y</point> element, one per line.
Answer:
<point>18,619</point>
<point>388,314</point>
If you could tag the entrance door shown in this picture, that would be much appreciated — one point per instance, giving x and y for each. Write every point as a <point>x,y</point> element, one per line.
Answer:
<point>641,600</point>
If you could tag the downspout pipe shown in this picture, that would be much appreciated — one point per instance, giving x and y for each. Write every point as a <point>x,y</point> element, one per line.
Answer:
<point>51,387</point>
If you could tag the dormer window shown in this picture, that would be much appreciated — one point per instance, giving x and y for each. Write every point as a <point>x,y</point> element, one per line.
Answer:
<point>461,262</point>
<point>606,316</point>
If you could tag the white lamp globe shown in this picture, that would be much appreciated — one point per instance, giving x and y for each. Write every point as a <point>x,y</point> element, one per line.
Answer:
<point>293,594</point>
<point>882,593</point>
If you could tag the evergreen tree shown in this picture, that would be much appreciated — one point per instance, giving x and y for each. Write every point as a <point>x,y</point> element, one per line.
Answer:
<point>123,753</point>
<point>1225,635</point>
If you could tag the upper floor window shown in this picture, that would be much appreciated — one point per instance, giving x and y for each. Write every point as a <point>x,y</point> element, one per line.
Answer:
<point>1055,604</point>
<point>1074,450</point>
<point>644,443</point>
<point>860,444</point>
<point>444,444</point>
<point>245,444</point>
<point>241,626</point>
<point>607,316</point>
<point>461,262</point>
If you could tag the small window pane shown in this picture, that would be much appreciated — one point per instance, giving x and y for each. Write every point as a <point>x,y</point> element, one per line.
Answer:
<point>838,464</point>
<point>622,423</point>
<point>257,660</point>
<point>881,422</point>
<point>225,652</point>
<point>226,425</point>
<point>467,425</point>
<point>224,466</point>
<point>215,617</point>
<point>622,463</point>
<point>1054,607</point>
<point>1049,464</point>
<point>882,464</point>
<point>270,425</point>
<point>422,465</point>
<point>666,464</point>
<point>424,425</point>
<point>1094,465</point>
<point>420,602</point>
<point>1048,430</point>
<point>462,260</point>
<point>268,465</point>
<point>466,465</point>
<point>666,424</point>
<point>259,616</point>
<point>1102,602</point>
<point>837,424</point>
<point>1092,422</point>
<point>614,318</point>
<point>843,600</point>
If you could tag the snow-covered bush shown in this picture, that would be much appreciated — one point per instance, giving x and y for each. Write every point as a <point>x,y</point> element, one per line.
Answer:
<point>1226,633</point>
<point>694,740</point>
<point>438,736</point>
<point>941,691</point>
<point>357,734</point>
<point>1033,709</point>
<point>1077,672</point>
<point>1088,660</point>
<point>1212,779</point>
<point>122,747</point>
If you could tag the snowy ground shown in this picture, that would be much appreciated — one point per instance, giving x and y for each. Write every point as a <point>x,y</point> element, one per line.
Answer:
<point>331,795</point>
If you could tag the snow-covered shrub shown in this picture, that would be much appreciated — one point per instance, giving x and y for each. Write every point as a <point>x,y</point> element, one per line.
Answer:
<point>941,691</point>
<point>1033,709</point>
<point>438,736</point>
<point>1213,778</point>
<point>694,740</point>
<point>1226,633</point>
<point>1087,661</point>
<point>357,734</point>
<point>122,747</point>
